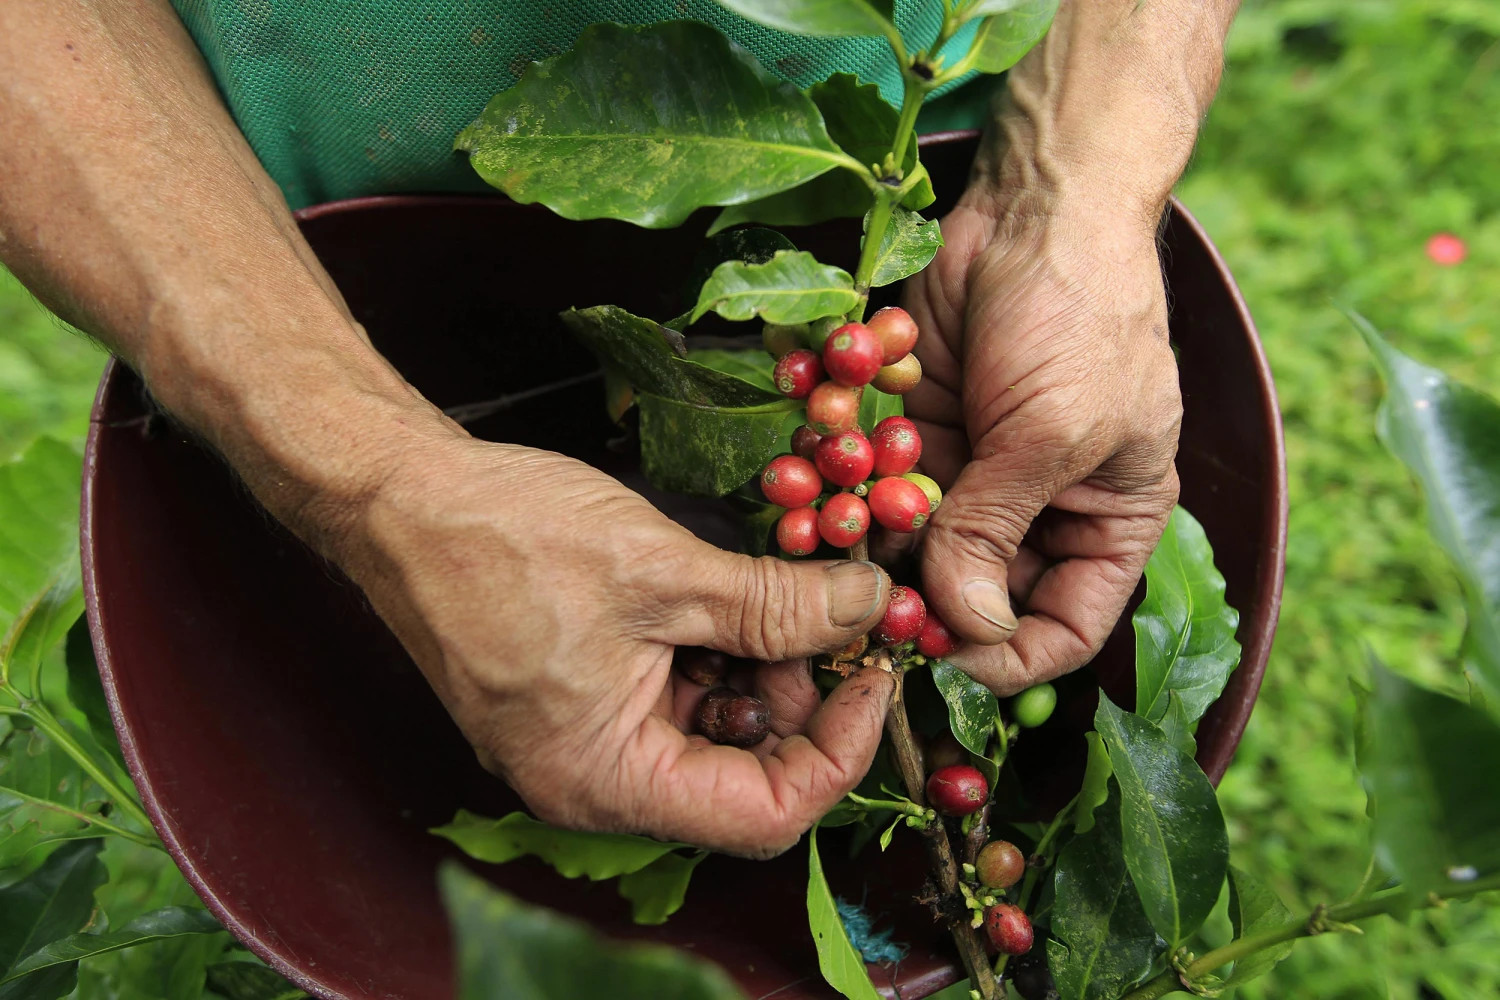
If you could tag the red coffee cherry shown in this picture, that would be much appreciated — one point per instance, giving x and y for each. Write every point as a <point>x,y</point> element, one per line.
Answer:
<point>1008,928</point>
<point>797,531</point>
<point>798,374</point>
<point>781,340</point>
<point>930,488</point>
<point>899,504</point>
<point>935,640</point>
<point>897,446</point>
<point>845,459</point>
<point>843,520</point>
<point>852,355</point>
<point>832,408</point>
<point>732,719</point>
<point>900,377</point>
<point>1000,864</point>
<point>957,790</point>
<point>896,331</point>
<point>903,617</point>
<point>791,482</point>
<point>805,442</point>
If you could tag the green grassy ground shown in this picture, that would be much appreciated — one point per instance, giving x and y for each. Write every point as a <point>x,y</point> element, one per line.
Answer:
<point>1346,133</point>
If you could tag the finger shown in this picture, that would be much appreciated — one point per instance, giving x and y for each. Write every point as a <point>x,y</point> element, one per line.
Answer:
<point>790,695</point>
<point>768,609</point>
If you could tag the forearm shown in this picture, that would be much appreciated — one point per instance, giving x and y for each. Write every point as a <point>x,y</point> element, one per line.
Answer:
<point>134,208</point>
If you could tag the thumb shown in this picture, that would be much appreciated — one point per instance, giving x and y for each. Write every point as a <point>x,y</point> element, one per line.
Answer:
<point>772,609</point>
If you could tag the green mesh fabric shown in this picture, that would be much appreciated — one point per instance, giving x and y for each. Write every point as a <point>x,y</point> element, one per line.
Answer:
<point>341,98</point>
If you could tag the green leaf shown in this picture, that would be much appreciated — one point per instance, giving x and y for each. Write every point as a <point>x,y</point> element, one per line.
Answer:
<point>41,625</point>
<point>169,922</point>
<point>657,890</point>
<point>242,980</point>
<point>51,903</point>
<point>87,693</point>
<point>760,528</point>
<point>1095,790</point>
<point>753,245</point>
<point>573,853</point>
<point>908,244</point>
<point>972,709</point>
<point>647,124</point>
<point>1255,907</point>
<point>650,356</point>
<point>1428,762</point>
<point>711,451</point>
<point>863,124</point>
<point>511,950</point>
<point>1449,436</point>
<point>875,406</point>
<point>791,287</point>
<point>1184,631</point>
<point>44,796</point>
<point>1105,943</point>
<point>842,966</point>
<point>752,365</point>
<point>1002,39</point>
<point>1175,844</point>
<point>38,539</point>
<point>818,17</point>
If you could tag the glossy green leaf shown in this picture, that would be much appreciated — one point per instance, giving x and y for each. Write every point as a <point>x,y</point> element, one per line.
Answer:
<point>753,365</point>
<point>842,966</point>
<point>1104,942</point>
<point>1449,436</point>
<point>1175,843</point>
<point>657,890</point>
<point>751,244</point>
<point>1185,648</point>
<point>1095,790</point>
<point>791,287</point>
<point>158,925</point>
<point>1254,907</point>
<point>573,853</point>
<point>511,950</point>
<point>244,980</point>
<point>1429,764</point>
<point>651,357</point>
<point>875,406</point>
<point>863,124</point>
<point>44,796</point>
<point>38,530</point>
<point>42,624</point>
<point>51,903</point>
<point>647,124</point>
<point>1002,39</point>
<point>972,708</point>
<point>818,17</point>
<point>711,451</point>
<point>87,693</point>
<point>908,245</point>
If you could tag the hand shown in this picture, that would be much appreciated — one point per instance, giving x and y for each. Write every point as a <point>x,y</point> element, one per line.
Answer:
<point>542,599</point>
<point>1049,411</point>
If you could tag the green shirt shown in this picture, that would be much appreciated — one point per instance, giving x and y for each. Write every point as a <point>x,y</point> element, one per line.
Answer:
<point>342,98</point>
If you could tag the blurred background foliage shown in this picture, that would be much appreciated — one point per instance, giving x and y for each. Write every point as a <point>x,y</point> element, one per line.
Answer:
<point>1347,132</point>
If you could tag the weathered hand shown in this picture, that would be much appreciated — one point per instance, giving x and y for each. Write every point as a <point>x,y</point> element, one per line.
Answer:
<point>1049,409</point>
<point>543,600</point>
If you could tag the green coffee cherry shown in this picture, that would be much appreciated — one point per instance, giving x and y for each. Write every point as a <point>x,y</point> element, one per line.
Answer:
<point>781,340</point>
<point>1034,706</point>
<point>819,329</point>
<point>929,487</point>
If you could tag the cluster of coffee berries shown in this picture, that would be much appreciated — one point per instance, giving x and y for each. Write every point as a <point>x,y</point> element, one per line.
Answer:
<point>724,715</point>
<point>999,866</point>
<point>837,480</point>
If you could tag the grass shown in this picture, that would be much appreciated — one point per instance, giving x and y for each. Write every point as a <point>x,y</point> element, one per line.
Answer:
<point>1344,136</point>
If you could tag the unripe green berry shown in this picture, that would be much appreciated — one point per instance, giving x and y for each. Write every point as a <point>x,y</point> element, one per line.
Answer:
<point>1034,706</point>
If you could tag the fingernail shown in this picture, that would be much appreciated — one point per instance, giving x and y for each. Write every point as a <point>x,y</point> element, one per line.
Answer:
<point>855,590</point>
<point>988,601</point>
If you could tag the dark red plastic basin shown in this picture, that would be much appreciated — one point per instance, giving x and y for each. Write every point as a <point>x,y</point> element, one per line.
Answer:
<point>291,756</point>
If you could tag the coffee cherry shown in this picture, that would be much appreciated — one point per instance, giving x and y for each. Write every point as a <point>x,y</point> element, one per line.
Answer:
<point>896,331</point>
<point>957,790</point>
<point>898,504</point>
<point>897,446</point>
<point>1008,928</point>
<point>899,378</point>
<point>732,719</point>
<point>929,488</point>
<point>944,750</point>
<point>797,531</point>
<point>1034,706</point>
<point>845,459</point>
<point>703,666</point>
<point>935,640</point>
<point>1031,978</point>
<point>819,330</point>
<point>903,617</point>
<point>852,355</point>
<point>791,482</point>
<point>782,340</point>
<point>843,520</point>
<point>1000,864</point>
<point>833,408</point>
<point>805,442</point>
<point>798,374</point>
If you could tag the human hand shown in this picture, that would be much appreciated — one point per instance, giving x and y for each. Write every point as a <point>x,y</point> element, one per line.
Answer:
<point>1049,411</point>
<point>543,599</point>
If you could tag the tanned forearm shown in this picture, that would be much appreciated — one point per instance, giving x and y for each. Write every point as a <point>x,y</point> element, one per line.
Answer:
<point>131,204</point>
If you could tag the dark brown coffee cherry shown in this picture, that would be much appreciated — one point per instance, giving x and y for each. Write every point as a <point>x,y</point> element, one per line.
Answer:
<point>703,666</point>
<point>732,719</point>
